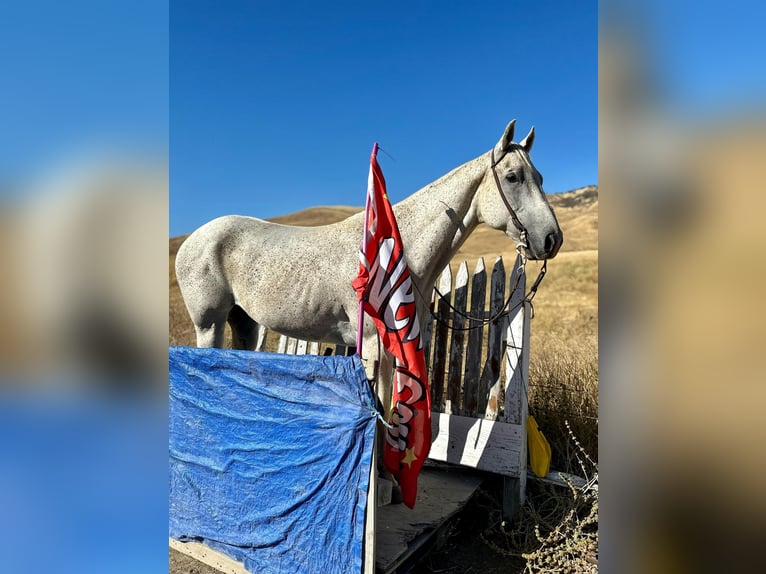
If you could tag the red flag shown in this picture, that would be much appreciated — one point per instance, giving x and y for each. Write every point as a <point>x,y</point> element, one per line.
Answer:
<point>385,287</point>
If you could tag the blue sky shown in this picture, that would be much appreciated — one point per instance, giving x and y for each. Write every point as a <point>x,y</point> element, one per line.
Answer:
<point>275,106</point>
<point>79,78</point>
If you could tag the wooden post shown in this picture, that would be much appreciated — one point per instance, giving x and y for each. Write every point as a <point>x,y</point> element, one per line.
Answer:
<point>260,344</point>
<point>516,386</point>
<point>370,517</point>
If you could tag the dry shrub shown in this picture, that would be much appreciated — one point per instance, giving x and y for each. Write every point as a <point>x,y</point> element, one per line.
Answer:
<point>571,546</point>
<point>563,386</point>
<point>557,528</point>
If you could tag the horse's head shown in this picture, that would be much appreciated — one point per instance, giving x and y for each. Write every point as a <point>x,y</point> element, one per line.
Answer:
<point>511,197</point>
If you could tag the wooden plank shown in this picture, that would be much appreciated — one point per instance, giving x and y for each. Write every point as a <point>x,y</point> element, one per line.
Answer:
<point>314,348</point>
<point>558,478</point>
<point>515,377</point>
<point>282,345</point>
<point>428,330</point>
<point>217,560</point>
<point>292,345</point>
<point>441,335</point>
<point>514,490</point>
<point>402,532</point>
<point>456,353</point>
<point>489,384</point>
<point>371,514</point>
<point>301,347</point>
<point>260,343</point>
<point>492,446</point>
<point>475,341</point>
<point>524,402</point>
<point>495,342</point>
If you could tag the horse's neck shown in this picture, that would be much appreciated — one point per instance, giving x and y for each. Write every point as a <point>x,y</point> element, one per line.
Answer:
<point>436,220</point>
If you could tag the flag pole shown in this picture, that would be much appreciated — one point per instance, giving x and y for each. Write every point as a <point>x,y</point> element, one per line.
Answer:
<point>360,322</point>
<point>372,493</point>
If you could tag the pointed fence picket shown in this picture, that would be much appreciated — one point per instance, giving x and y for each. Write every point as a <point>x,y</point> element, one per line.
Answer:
<point>441,335</point>
<point>474,347</point>
<point>477,370</point>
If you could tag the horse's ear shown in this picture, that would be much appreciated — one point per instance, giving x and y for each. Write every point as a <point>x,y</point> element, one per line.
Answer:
<point>527,142</point>
<point>505,141</point>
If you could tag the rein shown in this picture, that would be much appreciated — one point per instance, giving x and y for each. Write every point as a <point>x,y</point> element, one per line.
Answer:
<point>504,310</point>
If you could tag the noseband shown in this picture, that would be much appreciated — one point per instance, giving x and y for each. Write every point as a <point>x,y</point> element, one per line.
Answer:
<point>514,217</point>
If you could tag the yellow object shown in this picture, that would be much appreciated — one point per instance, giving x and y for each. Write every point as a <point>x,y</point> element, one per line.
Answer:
<point>539,449</point>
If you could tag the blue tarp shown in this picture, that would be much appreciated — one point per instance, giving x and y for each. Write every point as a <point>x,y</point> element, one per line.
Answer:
<point>270,457</point>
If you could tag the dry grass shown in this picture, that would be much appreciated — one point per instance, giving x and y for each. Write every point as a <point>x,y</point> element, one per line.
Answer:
<point>563,370</point>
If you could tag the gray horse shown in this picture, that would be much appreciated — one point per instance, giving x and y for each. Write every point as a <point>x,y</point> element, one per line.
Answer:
<point>297,280</point>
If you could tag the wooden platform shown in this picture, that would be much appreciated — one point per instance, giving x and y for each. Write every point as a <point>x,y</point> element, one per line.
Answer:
<point>402,535</point>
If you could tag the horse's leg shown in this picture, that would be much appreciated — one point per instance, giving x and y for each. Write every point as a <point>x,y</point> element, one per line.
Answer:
<point>209,302</point>
<point>210,335</point>
<point>210,325</point>
<point>244,331</point>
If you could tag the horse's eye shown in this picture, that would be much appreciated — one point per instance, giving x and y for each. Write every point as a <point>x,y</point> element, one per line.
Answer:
<point>512,177</point>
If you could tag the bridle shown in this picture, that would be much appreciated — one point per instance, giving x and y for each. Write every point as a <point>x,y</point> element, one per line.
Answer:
<point>521,249</point>
<point>514,217</point>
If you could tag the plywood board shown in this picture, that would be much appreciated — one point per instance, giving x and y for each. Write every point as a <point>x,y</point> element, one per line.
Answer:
<point>492,446</point>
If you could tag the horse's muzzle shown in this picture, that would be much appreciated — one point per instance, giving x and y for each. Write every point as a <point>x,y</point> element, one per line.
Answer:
<point>553,242</point>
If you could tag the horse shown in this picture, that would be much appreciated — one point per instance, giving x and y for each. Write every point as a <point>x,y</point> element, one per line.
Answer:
<point>297,280</point>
